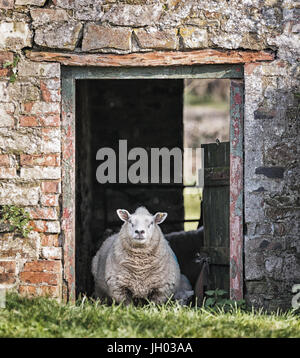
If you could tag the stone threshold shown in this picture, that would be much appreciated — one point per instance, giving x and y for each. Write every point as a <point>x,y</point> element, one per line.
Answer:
<point>152,59</point>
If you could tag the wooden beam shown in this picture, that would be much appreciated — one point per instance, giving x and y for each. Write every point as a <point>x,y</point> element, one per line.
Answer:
<point>236,216</point>
<point>165,72</point>
<point>68,189</point>
<point>152,59</point>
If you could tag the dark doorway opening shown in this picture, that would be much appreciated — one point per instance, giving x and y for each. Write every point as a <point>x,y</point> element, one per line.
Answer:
<point>147,113</point>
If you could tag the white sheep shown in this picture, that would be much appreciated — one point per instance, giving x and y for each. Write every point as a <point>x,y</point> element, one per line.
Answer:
<point>137,262</point>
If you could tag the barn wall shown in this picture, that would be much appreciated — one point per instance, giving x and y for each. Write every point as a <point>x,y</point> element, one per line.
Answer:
<point>30,133</point>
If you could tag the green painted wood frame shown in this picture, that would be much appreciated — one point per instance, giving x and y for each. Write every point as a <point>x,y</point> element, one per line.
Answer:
<point>71,74</point>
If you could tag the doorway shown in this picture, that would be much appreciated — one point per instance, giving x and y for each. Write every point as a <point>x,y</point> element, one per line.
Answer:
<point>159,91</point>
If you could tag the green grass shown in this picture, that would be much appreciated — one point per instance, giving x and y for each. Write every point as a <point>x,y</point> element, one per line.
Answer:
<point>191,99</point>
<point>42,317</point>
<point>192,208</point>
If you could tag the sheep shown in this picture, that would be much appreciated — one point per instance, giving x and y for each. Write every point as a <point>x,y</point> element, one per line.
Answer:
<point>137,262</point>
<point>184,292</point>
<point>185,244</point>
<point>194,263</point>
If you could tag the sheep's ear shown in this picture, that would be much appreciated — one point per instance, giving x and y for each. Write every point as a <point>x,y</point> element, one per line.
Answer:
<point>160,217</point>
<point>123,214</point>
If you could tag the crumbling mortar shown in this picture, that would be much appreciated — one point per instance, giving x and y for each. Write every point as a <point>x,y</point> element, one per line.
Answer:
<point>18,165</point>
<point>180,41</point>
<point>78,44</point>
<point>135,45</point>
<point>48,5</point>
<point>33,183</point>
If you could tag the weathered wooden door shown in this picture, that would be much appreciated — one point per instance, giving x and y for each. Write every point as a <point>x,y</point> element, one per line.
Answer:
<point>216,212</point>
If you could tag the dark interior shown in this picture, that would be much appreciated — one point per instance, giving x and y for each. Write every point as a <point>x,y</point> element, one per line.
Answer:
<point>147,113</point>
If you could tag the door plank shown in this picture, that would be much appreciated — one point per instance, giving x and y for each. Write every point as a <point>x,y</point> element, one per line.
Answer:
<point>216,212</point>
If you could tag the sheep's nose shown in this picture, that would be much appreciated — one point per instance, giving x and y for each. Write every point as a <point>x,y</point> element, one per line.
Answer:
<point>141,232</point>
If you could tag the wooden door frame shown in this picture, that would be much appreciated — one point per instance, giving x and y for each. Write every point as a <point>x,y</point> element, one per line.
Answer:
<point>70,74</point>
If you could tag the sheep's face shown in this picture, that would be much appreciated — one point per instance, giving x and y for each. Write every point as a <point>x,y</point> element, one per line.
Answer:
<point>140,227</point>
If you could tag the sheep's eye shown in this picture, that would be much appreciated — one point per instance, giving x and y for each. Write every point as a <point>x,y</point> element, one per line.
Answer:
<point>150,224</point>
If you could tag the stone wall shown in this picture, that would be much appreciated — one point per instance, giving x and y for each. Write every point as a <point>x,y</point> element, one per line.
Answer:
<point>30,133</point>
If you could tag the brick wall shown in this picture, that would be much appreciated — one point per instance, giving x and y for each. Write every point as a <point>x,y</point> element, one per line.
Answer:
<point>30,173</point>
<point>30,137</point>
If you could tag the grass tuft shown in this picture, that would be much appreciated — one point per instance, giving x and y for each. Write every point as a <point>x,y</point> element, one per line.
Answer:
<point>42,317</point>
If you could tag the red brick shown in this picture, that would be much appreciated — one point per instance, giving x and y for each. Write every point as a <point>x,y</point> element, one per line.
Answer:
<point>7,266</point>
<point>4,72</point>
<point>42,266</point>
<point>46,94</point>
<point>48,132</point>
<point>4,55</point>
<point>27,290</point>
<point>28,106</point>
<point>28,121</point>
<point>50,240</point>
<point>51,227</point>
<point>42,213</point>
<point>41,290</point>
<point>50,187</point>
<point>40,108</point>
<point>4,160</point>
<point>7,272</point>
<point>48,160</point>
<point>7,278</point>
<point>49,200</point>
<point>49,291</point>
<point>26,160</point>
<point>50,121</point>
<point>39,225</point>
<point>39,278</point>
